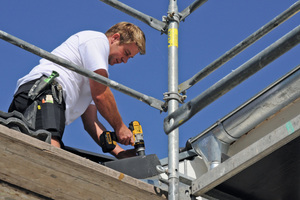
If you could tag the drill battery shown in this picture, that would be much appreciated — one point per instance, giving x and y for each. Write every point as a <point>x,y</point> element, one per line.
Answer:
<point>108,141</point>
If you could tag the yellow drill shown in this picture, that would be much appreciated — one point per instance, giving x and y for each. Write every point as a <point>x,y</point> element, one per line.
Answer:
<point>108,140</point>
<point>138,137</point>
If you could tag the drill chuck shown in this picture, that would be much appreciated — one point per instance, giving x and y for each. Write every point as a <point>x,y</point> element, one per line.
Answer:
<point>140,149</point>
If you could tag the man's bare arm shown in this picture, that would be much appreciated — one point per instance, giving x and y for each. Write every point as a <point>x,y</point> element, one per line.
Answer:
<point>107,107</point>
<point>93,126</point>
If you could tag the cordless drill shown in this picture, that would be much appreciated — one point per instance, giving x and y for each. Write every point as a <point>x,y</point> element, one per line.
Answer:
<point>108,140</point>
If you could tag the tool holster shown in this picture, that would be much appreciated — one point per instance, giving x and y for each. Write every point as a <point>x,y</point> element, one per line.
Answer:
<point>48,109</point>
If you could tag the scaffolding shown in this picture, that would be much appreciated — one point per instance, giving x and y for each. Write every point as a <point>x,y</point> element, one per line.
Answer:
<point>178,115</point>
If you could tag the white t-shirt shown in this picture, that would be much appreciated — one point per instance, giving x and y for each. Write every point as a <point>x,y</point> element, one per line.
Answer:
<point>87,49</point>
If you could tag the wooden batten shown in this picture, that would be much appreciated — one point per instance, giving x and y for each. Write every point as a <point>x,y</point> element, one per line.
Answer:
<point>32,167</point>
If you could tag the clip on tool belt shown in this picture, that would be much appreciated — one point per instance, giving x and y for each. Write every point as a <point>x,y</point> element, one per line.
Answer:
<point>44,82</point>
<point>47,109</point>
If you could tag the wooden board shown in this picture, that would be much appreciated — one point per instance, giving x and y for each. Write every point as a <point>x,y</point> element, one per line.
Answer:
<point>12,192</point>
<point>57,174</point>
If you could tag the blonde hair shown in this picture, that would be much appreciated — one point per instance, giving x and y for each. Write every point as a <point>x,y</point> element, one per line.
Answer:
<point>129,33</point>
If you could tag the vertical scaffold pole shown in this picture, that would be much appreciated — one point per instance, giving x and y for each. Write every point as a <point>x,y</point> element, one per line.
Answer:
<point>173,137</point>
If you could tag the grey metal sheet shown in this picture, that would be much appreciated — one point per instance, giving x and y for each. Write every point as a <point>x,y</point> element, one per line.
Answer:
<point>139,167</point>
<point>277,176</point>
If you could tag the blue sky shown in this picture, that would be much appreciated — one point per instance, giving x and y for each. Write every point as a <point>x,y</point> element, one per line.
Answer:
<point>206,34</point>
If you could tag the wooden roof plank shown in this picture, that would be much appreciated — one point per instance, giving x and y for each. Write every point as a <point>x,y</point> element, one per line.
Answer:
<point>52,172</point>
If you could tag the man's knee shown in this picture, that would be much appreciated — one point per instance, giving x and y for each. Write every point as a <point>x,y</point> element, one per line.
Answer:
<point>55,142</point>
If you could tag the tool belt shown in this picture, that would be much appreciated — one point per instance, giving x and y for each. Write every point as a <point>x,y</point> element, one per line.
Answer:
<point>48,108</point>
<point>46,83</point>
<point>38,89</point>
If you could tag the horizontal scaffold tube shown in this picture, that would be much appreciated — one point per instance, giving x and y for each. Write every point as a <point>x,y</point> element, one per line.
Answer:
<point>240,47</point>
<point>259,108</point>
<point>191,8</point>
<point>258,62</point>
<point>151,21</point>
<point>155,103</point>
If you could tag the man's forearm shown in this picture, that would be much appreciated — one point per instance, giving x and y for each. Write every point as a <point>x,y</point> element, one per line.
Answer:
<point>107,107</point>
<point>105,102</point>
<point>91,123</point>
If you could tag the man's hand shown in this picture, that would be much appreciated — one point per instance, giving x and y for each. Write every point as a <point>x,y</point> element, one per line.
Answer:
<point>124,135</point>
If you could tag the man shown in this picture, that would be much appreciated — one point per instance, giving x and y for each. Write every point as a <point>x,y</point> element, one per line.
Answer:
<point>81,96</point>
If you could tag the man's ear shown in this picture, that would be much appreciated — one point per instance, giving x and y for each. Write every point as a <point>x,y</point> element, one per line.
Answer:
<point>115,38</point>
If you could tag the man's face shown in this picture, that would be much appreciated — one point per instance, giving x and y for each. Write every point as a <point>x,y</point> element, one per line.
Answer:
<point>121,53</point>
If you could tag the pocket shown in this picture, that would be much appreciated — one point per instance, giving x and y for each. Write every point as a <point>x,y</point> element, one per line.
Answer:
<point>50,116</point>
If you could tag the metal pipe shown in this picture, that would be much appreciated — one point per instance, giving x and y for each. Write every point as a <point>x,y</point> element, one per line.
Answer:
<point>186,111</point>
<point>173,137</point>
<point>276,98</point>
<point>155,103</point>
<point>212,143</point>
<point>240,47</point>
<point>151,21</point>
<point>246,104</point>
<point>191,8</point>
